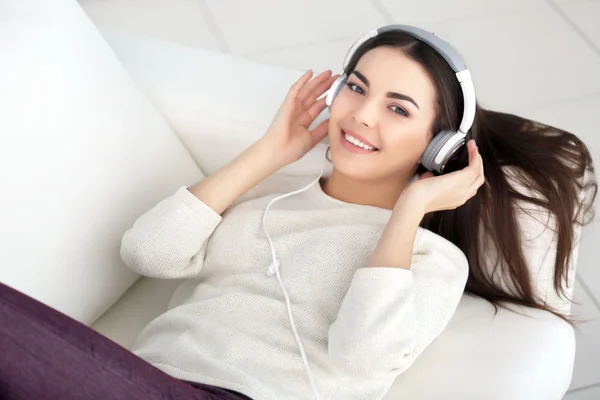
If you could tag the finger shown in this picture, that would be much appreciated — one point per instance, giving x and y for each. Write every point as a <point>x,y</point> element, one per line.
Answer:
<point>472,147</point>
<point>426,175</point>
<point>307,117</point>
<point>310,86</point>
<point>474,188</point>
<point>320,132</point>
<point>319,90</point>
<point>299,84</point>
<point>315,109</point>
<point>472,171</point>
<point>476,162</point>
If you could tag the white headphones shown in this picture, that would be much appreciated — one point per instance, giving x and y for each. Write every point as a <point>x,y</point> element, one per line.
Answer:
<point>445,144</point>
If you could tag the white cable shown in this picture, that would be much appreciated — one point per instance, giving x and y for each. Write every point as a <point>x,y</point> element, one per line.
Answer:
<point>275,265</point>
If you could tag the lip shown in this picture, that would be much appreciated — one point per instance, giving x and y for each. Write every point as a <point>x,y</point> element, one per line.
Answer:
<point>352,148</point>
<point>359,137</point>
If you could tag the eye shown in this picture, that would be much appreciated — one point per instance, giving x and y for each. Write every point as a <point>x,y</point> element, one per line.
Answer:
<point>399,110</point>
<point>355,88</point>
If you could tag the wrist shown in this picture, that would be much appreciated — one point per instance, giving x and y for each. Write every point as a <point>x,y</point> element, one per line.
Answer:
<point>267,156</point>
<point>270,154</point>
<point>409,203</point>
<point>396,244</point>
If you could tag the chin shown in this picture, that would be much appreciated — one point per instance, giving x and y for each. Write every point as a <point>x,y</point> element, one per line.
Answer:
<point>354,167</point>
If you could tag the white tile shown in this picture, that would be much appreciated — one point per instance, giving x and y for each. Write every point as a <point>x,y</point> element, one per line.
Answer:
<point>525,57</point>
<point>577,115</point>
<point>260,25</point>
<point>587,358</point>
<point>580,117</point>
<point>587,394</point>
<point>586,15</point>
<point>570,1</point>
<point>319,57</point>
<point>181,21</point>
<point>426,13</point>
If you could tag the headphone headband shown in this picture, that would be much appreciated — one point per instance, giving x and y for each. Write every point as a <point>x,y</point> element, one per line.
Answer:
<point>444,49</point>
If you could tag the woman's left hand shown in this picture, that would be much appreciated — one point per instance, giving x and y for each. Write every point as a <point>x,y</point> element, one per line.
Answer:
<point>448,191</point>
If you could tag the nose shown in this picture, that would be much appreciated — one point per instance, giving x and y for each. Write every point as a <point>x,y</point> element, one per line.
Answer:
<point>366,114</point>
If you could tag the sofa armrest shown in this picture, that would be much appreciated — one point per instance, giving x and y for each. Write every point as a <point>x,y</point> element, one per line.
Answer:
<point>482,356</point>
<point>84,154</point>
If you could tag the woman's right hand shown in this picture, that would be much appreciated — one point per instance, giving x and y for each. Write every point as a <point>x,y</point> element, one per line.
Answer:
<point>286,141</point>
<point>288,135</point>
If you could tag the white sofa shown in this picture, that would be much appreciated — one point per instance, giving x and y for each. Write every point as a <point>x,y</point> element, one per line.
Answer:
<point>99,125</point>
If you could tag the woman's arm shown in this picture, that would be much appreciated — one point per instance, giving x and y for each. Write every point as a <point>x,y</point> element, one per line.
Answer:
<point>169,241</point>
<point>287,140</point>
<point>224,187</point>
<point>395,247</point>
<point>398,305</point>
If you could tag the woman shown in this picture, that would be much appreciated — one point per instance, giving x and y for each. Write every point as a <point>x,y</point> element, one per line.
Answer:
<point>372,260</point>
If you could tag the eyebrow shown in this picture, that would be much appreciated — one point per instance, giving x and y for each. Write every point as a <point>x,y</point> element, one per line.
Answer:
<point>392,95</point>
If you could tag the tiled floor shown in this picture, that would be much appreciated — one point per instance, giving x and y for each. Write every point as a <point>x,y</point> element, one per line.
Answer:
<point>537,58</point>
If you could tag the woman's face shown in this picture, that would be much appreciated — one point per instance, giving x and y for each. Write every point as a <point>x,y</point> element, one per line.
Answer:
<point>388,104</point>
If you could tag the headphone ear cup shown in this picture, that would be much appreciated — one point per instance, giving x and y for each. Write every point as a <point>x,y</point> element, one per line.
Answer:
<point>335,89</point>
<point>428,159</point>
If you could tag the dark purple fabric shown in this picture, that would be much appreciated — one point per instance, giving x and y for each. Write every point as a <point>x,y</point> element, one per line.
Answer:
<point>46,355</point>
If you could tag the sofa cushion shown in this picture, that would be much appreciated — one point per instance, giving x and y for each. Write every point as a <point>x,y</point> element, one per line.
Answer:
<point>508,355</point>
<point>83,154</point>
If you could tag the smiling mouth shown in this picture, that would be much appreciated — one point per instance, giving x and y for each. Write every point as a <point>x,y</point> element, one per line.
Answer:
<point>356,142</point>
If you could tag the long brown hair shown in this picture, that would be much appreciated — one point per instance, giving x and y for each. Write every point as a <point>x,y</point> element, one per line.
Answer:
<point>554,167</point>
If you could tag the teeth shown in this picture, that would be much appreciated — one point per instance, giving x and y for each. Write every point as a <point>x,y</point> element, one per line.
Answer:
<point>357,142</point>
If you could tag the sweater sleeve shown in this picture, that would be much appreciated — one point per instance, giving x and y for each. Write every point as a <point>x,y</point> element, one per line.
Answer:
<point>170,239</point>
<point>389,316</point>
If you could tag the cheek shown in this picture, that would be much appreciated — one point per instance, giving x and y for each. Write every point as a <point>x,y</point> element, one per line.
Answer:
<point>406,140</point>
<point>335,111</point>
<point>343,105</point>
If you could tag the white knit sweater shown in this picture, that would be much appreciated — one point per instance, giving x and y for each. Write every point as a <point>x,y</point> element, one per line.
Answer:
<point>227,324</point>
